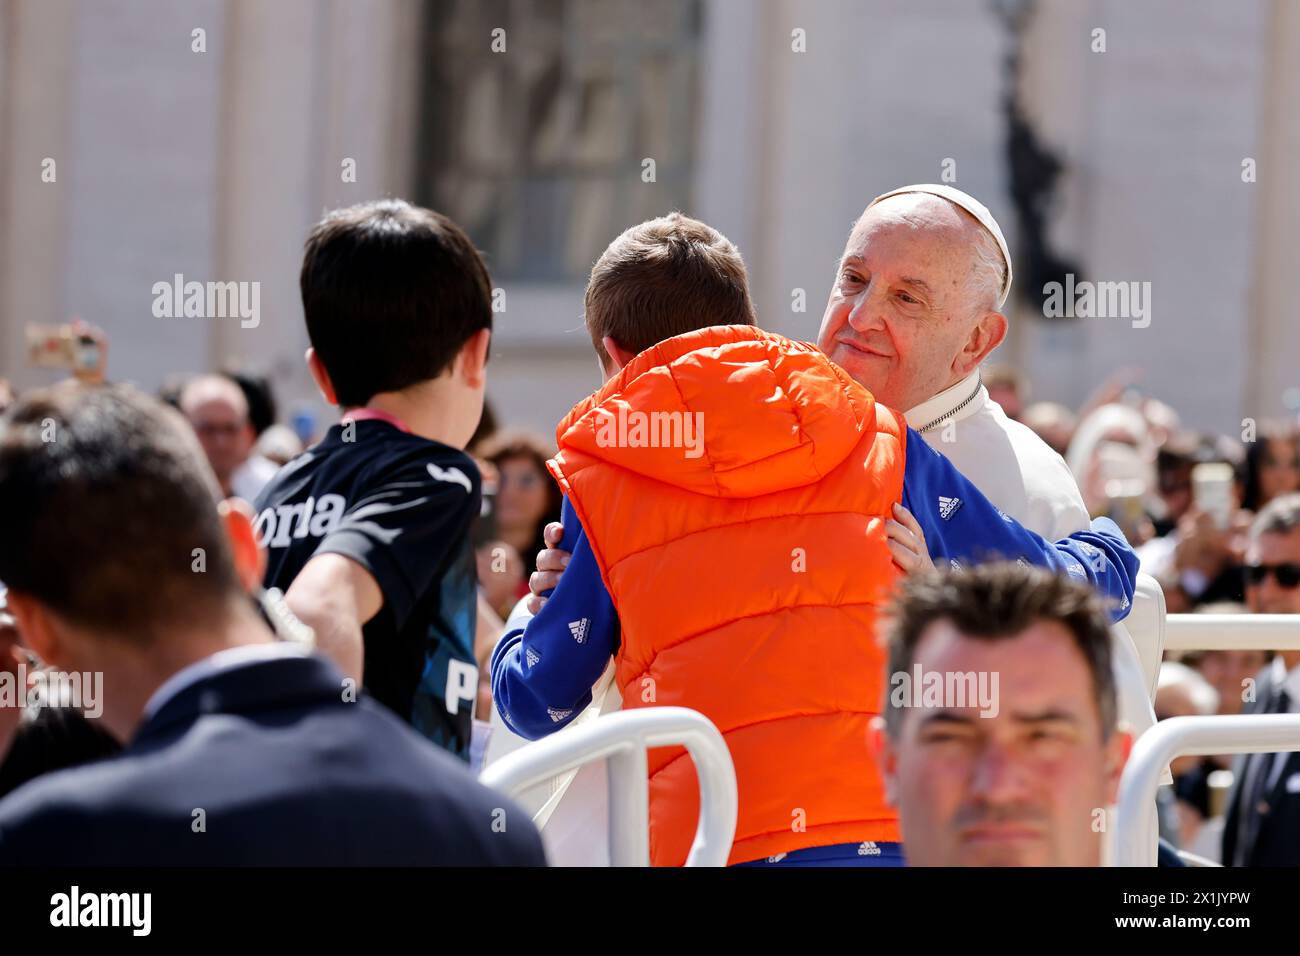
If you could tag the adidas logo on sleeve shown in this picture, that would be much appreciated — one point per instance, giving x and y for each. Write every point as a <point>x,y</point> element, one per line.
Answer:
<point>1095,556</point>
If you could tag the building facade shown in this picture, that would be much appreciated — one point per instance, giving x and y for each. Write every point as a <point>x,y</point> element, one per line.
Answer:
<point>203,139</point>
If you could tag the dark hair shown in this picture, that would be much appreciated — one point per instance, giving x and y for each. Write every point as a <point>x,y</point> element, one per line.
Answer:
<point>391,293</point>
<point>262,411</point>
<point>998,601</point>
<point>1253,464</point>
<point>169,392</point>
<point>1183,451</point>
<point>663,278</point>
<point>104,497</point>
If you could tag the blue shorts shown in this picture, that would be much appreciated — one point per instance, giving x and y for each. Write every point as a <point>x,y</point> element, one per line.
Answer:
<point>838,854</point>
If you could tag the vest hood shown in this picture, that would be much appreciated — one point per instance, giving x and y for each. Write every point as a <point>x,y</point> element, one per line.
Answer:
<point>786,417</point>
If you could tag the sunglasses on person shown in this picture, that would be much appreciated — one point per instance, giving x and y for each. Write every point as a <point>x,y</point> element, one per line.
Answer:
<point>1287,574</point>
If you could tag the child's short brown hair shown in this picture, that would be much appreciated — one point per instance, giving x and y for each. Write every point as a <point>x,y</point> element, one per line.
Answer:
<point>665,277</point>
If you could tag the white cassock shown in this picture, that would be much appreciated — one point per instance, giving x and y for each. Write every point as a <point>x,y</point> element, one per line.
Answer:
<point>1015,469</point>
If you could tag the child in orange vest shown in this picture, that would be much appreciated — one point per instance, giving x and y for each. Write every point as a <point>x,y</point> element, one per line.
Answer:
<point>734,502</point>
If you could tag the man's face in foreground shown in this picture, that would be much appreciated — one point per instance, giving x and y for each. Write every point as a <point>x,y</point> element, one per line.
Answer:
<point>1026,787</point>
<point>904,304</point>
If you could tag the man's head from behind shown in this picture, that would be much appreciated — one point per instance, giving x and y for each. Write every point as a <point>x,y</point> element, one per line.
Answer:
<point>1026,781</point>
<point>111,542</point>
<point>914,308</point>
<point>662,278</point>
<point>396,297</point>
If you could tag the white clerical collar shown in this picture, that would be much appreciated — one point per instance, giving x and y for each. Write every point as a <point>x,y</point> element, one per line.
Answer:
<point>955,402</point>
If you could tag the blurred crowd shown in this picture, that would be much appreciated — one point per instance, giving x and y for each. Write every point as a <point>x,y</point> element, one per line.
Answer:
<point>1186,500</point>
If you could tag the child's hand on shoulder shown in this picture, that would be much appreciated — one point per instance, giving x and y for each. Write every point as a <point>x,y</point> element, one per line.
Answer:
<point>906,542</point>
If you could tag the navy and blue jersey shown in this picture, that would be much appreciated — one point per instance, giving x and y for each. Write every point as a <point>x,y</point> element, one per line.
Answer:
<point>400,506</point>
<point>542,676</point>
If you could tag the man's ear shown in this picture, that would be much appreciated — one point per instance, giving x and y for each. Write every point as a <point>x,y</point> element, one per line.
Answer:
<point>473,358</point>
<point>321,377</point>
<point>1118,749</point>
<point>250,559</point>
<point>37,628</point>
<point>987,335</point>
<point>880,747</point>
<point>618,356</point>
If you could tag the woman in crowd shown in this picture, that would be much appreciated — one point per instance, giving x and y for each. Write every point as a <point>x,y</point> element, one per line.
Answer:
<point>526,499</point>
<point>1271,467</point>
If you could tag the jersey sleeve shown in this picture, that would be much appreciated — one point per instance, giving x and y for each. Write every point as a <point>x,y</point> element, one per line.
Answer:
<point>408,527</point>
<point>543,668</point>
<point>962,526</point>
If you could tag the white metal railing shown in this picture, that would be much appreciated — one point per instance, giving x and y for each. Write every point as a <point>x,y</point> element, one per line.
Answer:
<point>1134,833</point>
<point>1232,632</point>
<point>623,739</point>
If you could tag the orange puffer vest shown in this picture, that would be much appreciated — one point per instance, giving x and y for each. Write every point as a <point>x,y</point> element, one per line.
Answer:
<point>734,487</point>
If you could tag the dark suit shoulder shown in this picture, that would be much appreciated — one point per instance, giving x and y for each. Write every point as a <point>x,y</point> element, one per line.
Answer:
<point>321,783</point>
<point>487,823</point>
<point>62,812</point>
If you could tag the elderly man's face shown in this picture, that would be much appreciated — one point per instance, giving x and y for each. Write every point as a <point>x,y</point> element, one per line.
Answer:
<point>903,310</point>
<point>225,434</point>
<point>1024,787</point>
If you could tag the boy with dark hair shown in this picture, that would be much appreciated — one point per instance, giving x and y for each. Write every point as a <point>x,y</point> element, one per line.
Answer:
<point>738,509</point>
<point>367,532</point>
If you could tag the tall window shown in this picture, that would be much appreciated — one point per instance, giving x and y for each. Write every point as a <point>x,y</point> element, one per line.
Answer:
<point>539,151</point>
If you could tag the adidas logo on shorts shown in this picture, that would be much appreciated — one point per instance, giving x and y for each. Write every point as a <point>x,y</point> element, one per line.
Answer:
<point>557,715</point>
<point>869,849</point>
<point>579,630</point>
<point>532,657</point>
<point>948,507</point>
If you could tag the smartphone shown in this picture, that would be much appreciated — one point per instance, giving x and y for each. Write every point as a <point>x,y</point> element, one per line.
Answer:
<point>1212,490</point>
<point>61,347</point>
